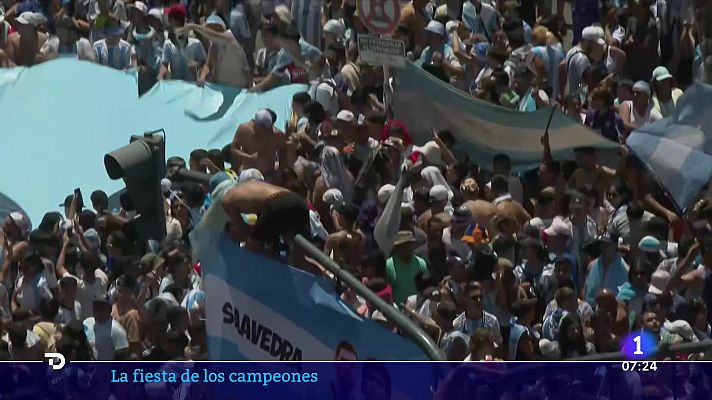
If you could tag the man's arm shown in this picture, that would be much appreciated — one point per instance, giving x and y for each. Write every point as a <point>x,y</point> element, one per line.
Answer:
<point>162,72</point>
<point>215,37</point>
<point>61,269</point>
<point>563,78</point>
<point>7,261</point>
<point>681,279</point>
<point>329,245</point>
<point>265,84</point>
<point>165,61</point>
<point>659,209</point>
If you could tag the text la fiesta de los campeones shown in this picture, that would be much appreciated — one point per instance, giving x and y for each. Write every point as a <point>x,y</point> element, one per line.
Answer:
<point>265,378</point>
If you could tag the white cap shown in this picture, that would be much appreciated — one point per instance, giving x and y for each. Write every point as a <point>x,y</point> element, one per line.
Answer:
<point>31,18</point>
<point>642,87</point>
<point>139,5</point>
<point>385,192</point>
<point>283,13</point>
<point>594,34</point>
<point>21,222</point>
<point>436,28</point>
<point>335,27</point>
<point>558,228</point>
<point>439,193</point>
<point>345,116</point>
<point>333,197</point>
<point>264,118</point>
<point>658,281</point>
<point>451,26</point>
<point>92,239</point>
<point>250,174</point>
<point>431,152</point>
<point>156,13</point>
<point>166,185</point>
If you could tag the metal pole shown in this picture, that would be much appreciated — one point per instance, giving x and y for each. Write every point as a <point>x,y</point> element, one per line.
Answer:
<point>391,313</point>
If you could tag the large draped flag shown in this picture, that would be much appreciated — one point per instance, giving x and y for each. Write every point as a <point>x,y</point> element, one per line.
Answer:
<point>59,119</point>
<point>484,130</point>
<point>259,309</point>
<point>678,149</point>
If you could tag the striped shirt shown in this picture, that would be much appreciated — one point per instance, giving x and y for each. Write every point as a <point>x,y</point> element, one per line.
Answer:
<point>487,321</point>
<point>178,57</point>
<point>307,15</point>
<point>117,57</point>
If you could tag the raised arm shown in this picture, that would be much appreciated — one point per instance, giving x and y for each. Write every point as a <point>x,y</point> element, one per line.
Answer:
<point>61,269</point>
<point>215,37</point>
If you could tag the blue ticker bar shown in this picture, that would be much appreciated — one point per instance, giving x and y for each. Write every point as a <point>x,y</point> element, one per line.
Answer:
<point>357,380</point>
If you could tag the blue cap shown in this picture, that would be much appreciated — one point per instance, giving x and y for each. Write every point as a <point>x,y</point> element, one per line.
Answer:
<point>215,19</point>
<point>217,179</point>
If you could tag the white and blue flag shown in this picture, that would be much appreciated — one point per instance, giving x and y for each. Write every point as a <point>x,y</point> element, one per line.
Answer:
<point>678,149</point>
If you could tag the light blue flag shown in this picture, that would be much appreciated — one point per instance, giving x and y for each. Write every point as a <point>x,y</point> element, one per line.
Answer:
<point>59,119</point>
<point>484,130</point>
<point>259,309</point>
<point>678,149</point>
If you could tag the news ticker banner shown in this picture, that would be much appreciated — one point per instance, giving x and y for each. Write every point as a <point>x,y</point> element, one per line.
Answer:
<point>356,380</point>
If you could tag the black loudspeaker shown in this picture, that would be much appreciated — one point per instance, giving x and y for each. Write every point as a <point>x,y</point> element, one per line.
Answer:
<point>142,165</point>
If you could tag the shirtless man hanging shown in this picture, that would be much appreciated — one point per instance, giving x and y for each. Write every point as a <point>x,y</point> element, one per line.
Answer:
<point>349,244</point>
<point>23,46</point>
<point>227,62</point>
<point>281,214</point>
<point>257,144</point>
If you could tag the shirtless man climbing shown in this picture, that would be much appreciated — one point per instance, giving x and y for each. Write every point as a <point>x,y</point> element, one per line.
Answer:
<point>281,214</point>
<point>349,244</point>
<point>227,62</point>
<point>257,144</point>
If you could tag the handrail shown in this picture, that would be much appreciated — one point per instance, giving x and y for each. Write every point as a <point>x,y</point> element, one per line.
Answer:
<point>664,350</point>
<point>391,313</point>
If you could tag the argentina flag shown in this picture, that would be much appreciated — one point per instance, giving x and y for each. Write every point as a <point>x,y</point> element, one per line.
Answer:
<point>678,149</point>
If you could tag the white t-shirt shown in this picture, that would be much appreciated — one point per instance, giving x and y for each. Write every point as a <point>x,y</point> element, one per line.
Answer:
<point>81,49</point>
<point>637,120</point>
<point>117,57</point>
<point>326,95</point>
<point>178,57</point>
<point>30,292</point>
<point>105,339</point>
<point>576,63</point>
<point>230,63</point>
<point>86,292</point>
<point>65,315</point>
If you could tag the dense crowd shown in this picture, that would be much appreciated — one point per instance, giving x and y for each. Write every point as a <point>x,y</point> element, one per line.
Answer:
<point>554,263</point>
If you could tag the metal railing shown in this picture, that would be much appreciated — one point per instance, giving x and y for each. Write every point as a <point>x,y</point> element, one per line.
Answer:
<point>661,351</point>
<point>393,315</point>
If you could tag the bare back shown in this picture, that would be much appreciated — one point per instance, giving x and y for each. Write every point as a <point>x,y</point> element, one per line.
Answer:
<point>513,209</point>
<point>347,247</point>
<point>21,55</point>
<point>249,198</point>
<point>482,211</point>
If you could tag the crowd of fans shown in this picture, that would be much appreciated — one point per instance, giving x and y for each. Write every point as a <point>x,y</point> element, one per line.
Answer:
<point>558,262</point>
